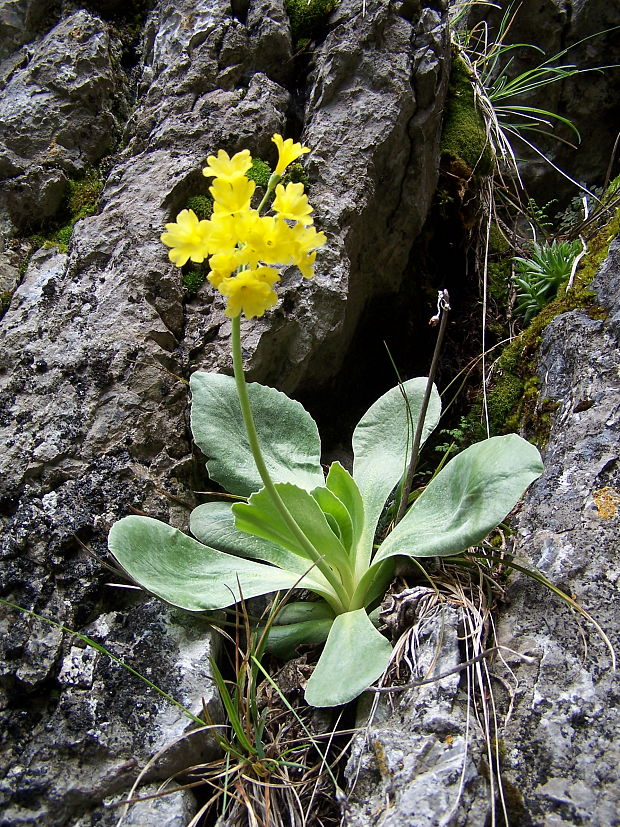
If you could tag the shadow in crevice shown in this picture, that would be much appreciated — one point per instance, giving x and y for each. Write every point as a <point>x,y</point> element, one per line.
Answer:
<point>394,339</point>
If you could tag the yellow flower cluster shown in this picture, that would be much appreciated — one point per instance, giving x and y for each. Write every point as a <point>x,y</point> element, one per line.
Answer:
<point>243,246</point>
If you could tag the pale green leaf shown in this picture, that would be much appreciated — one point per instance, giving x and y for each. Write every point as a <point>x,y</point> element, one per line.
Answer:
<point>342,484</point>
<point>355,655</point>
<point>382,444</point>
<point>287,434</point>
<point>300,611</point>
<point>214,525</point>
<point>260,516</point>
<point>305,622</point>
<point>333,508</point>
<point>470,496</point>
<point>283,641</point>
<point>186,573</point>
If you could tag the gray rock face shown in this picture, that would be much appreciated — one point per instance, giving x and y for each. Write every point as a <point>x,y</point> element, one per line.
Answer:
<point>561,741</point>
<point>558,726</point>
<point>417,760</point>
<point>21,20</point>
<point>93,411</point>
<point>59,114</point>
<point>372,118</point>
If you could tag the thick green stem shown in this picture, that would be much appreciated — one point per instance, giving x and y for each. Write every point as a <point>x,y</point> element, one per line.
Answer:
<point>274,180</point>
<point>248,419</point>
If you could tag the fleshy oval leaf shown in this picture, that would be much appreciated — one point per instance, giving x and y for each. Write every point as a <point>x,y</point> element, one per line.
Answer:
<point>288,435</point>
<point>187,574</point>
<point>382,443</point>
<point>467,499</point>
<point>355,655</point>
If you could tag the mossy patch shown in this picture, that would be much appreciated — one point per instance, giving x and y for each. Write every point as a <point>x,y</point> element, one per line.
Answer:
<point>81,201</point>
<point>201,205</point>
<point>464,136</point>
<point>517,364</point>
<point>193,281</point>
<point>308,18</point>
<point>296,174</point>
<point>260,172</point>
<point>83,198</point>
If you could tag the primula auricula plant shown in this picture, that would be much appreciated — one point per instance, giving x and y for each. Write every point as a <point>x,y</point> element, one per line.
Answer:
<point>294,526</point>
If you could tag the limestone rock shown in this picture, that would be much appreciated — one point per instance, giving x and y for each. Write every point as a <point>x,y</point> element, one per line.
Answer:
<point>562,738</point>
<point>97,341</point>
<point>59,114</point>
<point>21,20</point>
<point>416,760</point>
<point>373,120</point>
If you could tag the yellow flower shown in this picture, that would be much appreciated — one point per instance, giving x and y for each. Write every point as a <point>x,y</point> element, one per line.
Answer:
<point>306,239</point>
<point>250,292</point>
<point>232,196</point>
<point>216,278</point>
<point>228,168</point>
<point>225,263</point>
<point>272,241</point>
<point>287,152</point>
<point>306,265</point>
<point>188,238</point>
<point>292,203</point>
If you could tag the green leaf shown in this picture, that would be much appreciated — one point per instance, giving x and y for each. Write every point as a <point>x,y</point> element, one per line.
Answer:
<point>301,611</point>
<point>382,442</point>
<point>259,516</point>
<point>468,498</point>
<point>187,574</point>
<point>232,709</point>
<point>302,622</point>
<point>333,508</point>
<point>288,435</point>
<point>342,484</point>
<point>283,641</point>
<point>355,655</point>
<point>214,525</point>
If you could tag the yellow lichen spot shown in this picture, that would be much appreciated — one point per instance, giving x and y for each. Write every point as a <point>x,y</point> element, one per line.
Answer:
<point>607,501</point>
<point>381,758</point>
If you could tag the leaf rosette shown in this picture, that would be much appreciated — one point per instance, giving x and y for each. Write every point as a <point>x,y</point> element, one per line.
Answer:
<point>247,549</point>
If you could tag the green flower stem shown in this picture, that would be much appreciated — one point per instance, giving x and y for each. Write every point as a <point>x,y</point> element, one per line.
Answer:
<point>274,180</point>
<point>341,604</point>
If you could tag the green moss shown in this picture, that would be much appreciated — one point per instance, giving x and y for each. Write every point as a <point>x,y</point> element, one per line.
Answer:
<point>63,235</point>
<point>517,364</point>
<point>193,281</point>
<point>498,243</point>
<point>37,240</point>
<point>201,205</point>
<point>308,17</point>
<point>260,172</point>
<point>464,136</point>
<point>297,175</point>
<point>499,273</point>
<point>513,801</point>
<point>505,394</point>
<point>83,199</point>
